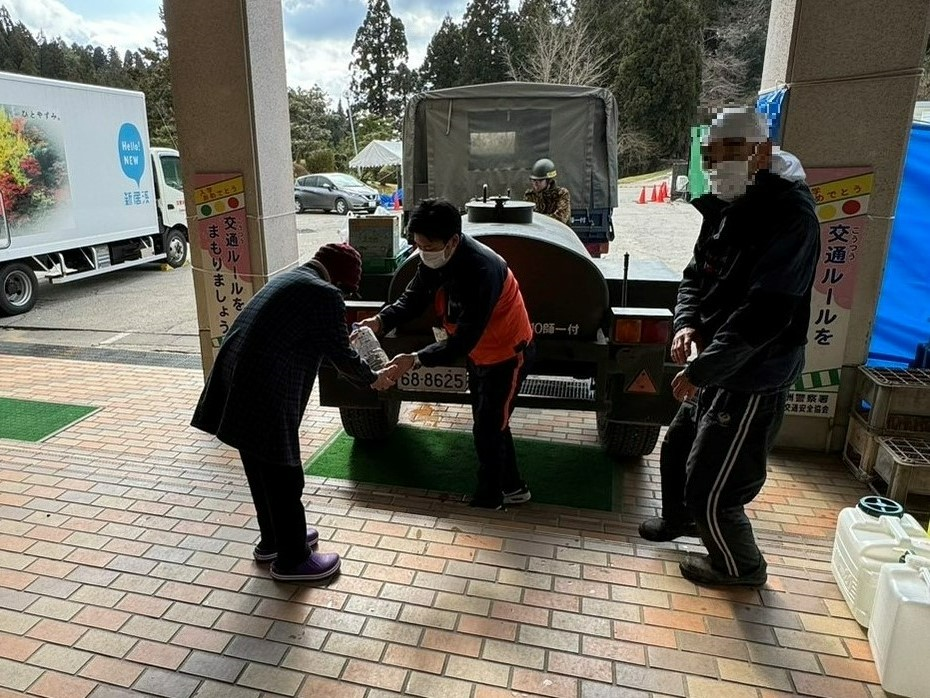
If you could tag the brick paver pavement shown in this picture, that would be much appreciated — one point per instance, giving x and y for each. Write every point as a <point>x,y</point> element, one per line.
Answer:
<point>125,569</point>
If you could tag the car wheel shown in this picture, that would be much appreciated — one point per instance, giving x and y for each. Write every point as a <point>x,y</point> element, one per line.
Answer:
<point>298,207</point>
<point>175,248</point>
<point>342,208</point>
<point>18,287</point>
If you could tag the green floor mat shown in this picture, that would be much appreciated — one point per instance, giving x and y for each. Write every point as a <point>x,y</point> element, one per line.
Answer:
<point>444,461</point>
<point>28,420</point>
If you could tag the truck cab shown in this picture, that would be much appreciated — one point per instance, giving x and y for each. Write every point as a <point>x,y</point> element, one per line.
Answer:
<point>169,200</point>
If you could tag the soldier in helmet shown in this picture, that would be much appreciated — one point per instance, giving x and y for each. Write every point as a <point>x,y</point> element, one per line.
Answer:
<point>550,199</point>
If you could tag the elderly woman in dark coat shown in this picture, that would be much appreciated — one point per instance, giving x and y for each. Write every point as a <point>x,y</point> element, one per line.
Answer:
<point>258,389</point>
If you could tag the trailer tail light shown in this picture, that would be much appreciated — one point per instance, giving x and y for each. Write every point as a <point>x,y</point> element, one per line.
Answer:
<point>641,326</point>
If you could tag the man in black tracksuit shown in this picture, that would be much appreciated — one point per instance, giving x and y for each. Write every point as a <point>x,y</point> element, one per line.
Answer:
<point>744,306</point>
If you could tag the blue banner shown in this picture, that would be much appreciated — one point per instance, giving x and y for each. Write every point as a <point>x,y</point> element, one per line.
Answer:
<point>902,319</point>
<point>772,104</point>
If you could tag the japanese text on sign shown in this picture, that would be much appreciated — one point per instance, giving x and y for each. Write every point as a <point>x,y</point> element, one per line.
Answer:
<point>547,328</point>
<point>842,196</point>
<point>224,238</point>
<point>136,198</point>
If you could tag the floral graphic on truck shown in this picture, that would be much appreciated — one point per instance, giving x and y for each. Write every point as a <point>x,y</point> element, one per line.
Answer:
<point>33,169</point>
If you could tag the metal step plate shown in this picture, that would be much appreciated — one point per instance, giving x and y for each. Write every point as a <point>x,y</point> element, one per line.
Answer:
<point>559,387</point>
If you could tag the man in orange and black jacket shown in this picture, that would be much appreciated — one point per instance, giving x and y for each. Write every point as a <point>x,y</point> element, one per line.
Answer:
<point>479,303</point>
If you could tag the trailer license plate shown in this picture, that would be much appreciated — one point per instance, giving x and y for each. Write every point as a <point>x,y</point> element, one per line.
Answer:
<point>436,379</point>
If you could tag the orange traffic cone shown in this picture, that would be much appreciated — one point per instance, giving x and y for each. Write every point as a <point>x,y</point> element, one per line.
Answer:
<point>663,193</point>
<point>642,196</point>
<point>654,198</point>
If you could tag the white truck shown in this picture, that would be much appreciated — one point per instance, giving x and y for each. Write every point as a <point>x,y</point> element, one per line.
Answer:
<point>81,191</point>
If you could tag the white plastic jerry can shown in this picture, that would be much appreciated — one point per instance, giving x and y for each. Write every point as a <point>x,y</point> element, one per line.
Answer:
<point>874,533</point>
<point>900,631</point>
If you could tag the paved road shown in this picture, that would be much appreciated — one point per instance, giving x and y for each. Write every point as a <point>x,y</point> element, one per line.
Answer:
<point>150,309</point>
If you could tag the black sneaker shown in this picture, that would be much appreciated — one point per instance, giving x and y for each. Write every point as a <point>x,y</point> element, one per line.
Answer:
<point>485,502</point>
<point>661,530</point>
<point>521,495</point>
<point>697,569</point>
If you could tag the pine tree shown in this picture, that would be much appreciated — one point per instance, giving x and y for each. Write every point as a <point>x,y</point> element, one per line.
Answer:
<point>379,54</point>
<point>155,80</point>
<point>19,51</point>
<point>52,61</point>
<point>659,75</point>
<point>442,66</point>
<point>489,33</point>
<point>608,20</point>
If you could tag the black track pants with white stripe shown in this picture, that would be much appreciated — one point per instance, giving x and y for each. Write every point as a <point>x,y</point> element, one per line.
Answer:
<point>713,464</point>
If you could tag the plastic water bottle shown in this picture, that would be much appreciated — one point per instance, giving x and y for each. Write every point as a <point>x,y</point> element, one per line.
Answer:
<point>365,342</point>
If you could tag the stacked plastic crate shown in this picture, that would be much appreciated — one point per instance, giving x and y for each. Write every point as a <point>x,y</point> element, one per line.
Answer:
<point>889,431</point>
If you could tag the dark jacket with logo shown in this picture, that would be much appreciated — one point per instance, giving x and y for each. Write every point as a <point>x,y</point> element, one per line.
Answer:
<point>481,306</point>
<point>747,290</point>
<point>261,381</point>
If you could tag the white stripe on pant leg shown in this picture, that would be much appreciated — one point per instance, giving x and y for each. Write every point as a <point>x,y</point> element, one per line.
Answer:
<point>714,496</point>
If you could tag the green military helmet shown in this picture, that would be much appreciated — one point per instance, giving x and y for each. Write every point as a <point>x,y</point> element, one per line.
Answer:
<point>543,168</point>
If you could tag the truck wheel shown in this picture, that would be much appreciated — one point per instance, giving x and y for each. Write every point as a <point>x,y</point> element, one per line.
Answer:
<point>370,424</point>
<point>18,287</point>
<point>342,208</point>
<point>175,248</point>
<point>626,440</point>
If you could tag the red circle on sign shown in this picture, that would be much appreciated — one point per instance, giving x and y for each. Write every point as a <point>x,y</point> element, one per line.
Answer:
<point>233,202</point>
<point>851,207</point>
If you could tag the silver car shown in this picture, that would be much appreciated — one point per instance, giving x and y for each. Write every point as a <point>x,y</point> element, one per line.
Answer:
<point>333,191</point>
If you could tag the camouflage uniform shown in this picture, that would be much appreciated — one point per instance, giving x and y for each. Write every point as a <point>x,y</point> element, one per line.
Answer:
<point>553,201</point>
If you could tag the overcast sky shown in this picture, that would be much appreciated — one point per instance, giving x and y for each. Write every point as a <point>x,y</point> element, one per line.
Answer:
<point>318,33</point>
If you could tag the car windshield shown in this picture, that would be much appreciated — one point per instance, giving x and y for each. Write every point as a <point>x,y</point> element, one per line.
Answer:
<point>344,180</point>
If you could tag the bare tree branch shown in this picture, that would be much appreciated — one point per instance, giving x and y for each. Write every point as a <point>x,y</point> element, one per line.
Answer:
<point>721,79</point>
<point>560,53</point>
<point>732,47</point>
<point>635,151</point>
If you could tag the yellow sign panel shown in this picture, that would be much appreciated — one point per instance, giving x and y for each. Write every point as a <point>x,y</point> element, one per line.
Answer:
<point>840,189</point>
<point>219,190</point>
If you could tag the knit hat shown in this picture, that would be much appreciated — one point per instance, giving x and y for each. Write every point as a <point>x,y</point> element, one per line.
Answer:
<point>343,264</point>
<point>738,122</point>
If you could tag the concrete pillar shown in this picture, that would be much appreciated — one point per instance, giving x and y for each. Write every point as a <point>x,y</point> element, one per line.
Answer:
<point>230,104</point>
<point>852,70</point>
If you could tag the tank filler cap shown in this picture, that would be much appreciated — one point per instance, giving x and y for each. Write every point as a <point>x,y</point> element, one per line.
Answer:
<point>500,209</point>
<point>876,506</point>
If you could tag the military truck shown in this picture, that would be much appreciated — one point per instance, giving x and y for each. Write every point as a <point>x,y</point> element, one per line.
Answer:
<point>492,134</point>
<point>602,332</point>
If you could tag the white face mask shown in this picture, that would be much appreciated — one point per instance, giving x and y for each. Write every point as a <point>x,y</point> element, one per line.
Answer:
<point>434,259</point>
<point>729,179</point>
